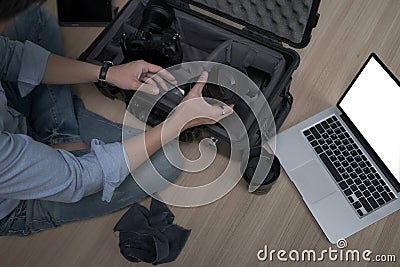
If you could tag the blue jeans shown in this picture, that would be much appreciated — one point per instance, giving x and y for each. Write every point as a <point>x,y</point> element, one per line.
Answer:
<point>55,116</point>
<point>48,109</point>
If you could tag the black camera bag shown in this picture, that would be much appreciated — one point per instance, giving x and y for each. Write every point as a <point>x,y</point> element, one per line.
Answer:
<point>253,30</point>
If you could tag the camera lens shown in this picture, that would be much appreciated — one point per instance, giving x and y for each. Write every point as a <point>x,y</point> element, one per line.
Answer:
<point>220,91</point>
<point>157,17</point>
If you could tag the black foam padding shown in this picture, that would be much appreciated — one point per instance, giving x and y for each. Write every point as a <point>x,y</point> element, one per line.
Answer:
<point>285,18</point>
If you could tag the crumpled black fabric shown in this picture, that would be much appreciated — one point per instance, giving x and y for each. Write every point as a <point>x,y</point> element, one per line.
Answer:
<point>150,236</point>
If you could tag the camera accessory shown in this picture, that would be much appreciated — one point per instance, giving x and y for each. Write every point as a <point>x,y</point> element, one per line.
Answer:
<point>259,77</point>
<point>218,91</point>
<point>103,73</point>
<point>155,41</point>
<point>157,16</point>
<point>260,156</point>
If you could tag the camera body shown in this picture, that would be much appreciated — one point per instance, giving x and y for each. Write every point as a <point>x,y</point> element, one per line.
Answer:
<point>155,41</point>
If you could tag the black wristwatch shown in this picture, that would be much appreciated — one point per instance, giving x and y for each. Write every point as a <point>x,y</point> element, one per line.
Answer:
<point>103,73</point>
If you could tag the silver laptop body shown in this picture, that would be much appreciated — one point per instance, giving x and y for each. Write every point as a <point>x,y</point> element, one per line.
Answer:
<point>349,181</point>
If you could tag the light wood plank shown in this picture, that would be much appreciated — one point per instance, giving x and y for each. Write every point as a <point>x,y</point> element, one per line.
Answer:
<point>230,231</point>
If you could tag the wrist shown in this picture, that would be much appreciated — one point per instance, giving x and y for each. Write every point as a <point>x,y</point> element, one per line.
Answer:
<point>111,75</point>
<point>103,76</point>
<point>95,73</point>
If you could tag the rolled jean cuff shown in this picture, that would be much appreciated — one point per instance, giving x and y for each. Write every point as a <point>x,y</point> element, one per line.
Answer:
<point>63,139</point>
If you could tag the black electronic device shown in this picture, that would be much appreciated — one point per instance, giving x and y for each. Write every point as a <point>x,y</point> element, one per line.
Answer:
<point>155,40</point>
<point>85,12</point>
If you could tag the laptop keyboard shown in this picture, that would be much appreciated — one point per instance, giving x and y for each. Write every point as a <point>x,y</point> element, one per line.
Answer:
<point>362,185</point>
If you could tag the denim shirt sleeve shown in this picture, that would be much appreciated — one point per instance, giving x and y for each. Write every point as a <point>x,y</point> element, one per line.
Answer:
<point>112,161</point>
<point>24,63</point>
<point>31,170</point>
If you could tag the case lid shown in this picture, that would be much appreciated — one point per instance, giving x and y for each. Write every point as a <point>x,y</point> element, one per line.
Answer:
<point>289,21</point>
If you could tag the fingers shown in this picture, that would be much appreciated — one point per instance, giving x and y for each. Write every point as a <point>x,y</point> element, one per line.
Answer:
<point>149,81</point>
<point>150,87</point>
<point>168,76</point>
<point>153,69</point>
<point>159,80</point>
<point>222,111</point>
<point>200,84</point>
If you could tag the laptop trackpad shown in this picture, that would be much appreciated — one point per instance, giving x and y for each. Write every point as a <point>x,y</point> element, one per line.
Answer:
<point>313,181</point>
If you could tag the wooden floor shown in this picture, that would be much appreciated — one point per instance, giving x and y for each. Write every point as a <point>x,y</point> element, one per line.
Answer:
<point>229,232</point>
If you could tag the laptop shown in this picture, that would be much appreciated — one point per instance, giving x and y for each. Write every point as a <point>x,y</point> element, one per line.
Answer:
<point>345,161</point>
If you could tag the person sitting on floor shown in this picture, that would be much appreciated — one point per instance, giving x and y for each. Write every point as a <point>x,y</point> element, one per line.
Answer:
<point>60,162</point>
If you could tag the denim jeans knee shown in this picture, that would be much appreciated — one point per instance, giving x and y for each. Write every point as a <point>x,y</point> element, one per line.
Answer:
<point>50,106</point>
<point>172,161</point>
<point>37,25</point>
<point>156,173</point>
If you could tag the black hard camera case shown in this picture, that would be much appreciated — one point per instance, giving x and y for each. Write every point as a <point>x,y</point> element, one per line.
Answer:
<point>207,30</point>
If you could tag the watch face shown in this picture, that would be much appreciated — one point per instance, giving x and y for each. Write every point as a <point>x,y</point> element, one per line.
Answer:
<point>84,11</point>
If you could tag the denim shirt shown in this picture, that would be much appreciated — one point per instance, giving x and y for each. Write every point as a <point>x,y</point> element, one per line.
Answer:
<point>32,170</point>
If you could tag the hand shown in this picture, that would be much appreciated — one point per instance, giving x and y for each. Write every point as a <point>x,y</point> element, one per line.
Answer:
<point>194,110</point>
<point>140,75</point>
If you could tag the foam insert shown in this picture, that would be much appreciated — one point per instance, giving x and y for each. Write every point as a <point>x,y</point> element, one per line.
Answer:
<point>285,18</point>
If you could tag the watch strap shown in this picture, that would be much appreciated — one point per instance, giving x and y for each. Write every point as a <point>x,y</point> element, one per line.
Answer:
<point>103,73</point>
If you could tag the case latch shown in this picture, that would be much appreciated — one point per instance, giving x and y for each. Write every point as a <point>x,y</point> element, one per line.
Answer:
<point>316,20</point>
<point>286,94</point>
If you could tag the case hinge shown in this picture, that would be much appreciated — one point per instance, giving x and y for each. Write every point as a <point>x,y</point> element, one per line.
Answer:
<point>261,37</point>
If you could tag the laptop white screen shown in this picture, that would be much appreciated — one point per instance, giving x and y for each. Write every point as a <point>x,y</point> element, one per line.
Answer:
<point>373,105</point>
